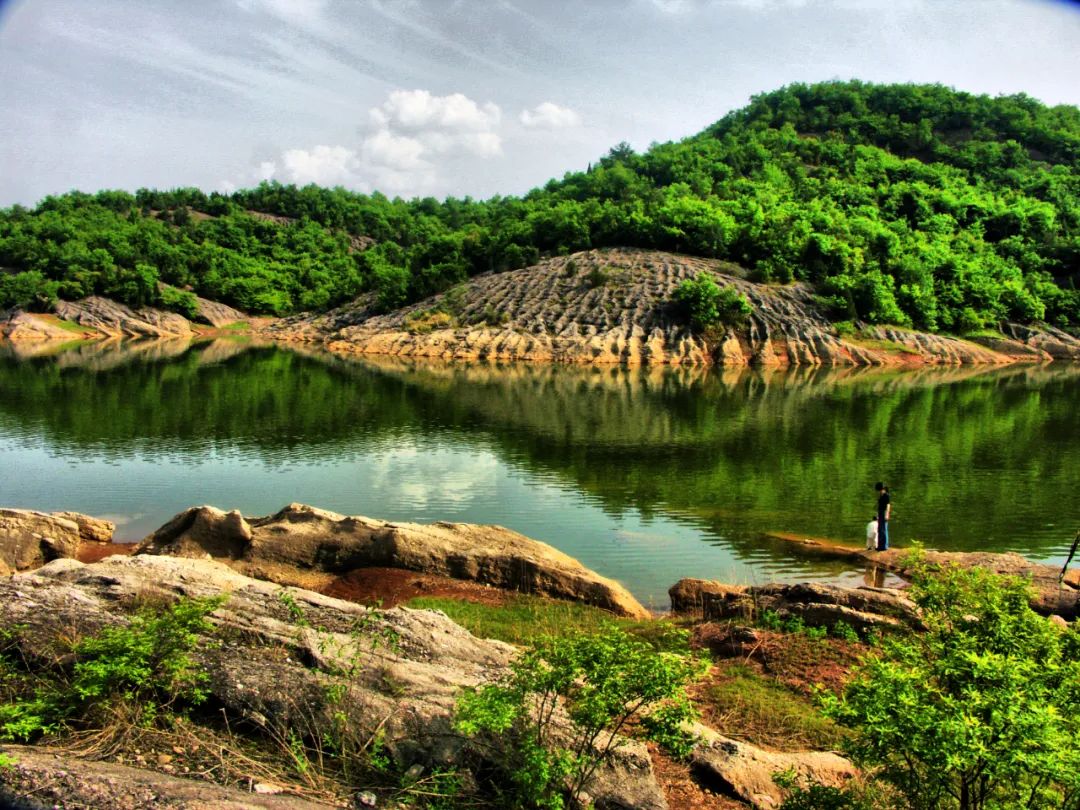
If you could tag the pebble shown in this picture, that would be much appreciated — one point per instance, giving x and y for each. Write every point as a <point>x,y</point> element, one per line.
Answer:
<point>268,788</point>
<point>366,799</point>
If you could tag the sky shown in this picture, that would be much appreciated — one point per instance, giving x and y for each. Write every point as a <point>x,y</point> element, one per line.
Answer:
<point>454,97</point>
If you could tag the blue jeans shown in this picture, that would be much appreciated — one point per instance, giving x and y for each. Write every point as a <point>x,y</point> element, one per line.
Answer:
<point>882,535</point>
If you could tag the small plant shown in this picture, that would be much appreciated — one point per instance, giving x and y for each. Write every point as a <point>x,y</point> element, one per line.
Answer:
<point>603,682</point>
<point>597,277</point>
<point>7,762</point>
<point>980,710</point>
<point>819,797</point>
<point>845,632</point>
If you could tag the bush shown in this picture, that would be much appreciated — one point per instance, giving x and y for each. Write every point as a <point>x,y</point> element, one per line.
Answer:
<point>603,682</point>
<point>145,665</point>
<point>982,710</point>
<point>180,301</point>
<point>706,305</point>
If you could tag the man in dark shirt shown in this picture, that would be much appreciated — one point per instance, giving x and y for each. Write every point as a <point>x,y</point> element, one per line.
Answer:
<point>884,510</point>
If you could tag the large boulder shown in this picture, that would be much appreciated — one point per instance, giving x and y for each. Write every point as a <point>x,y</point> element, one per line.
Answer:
<point>91,529</point>
<point>295,661</point>
<point>817,604</point>
<point>303,539</point>
<point>29,539</point>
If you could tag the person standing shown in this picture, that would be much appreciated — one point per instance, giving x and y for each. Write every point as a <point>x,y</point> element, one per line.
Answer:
<point>884,511</point>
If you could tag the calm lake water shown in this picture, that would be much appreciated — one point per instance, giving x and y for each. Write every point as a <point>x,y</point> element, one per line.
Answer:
<point>646,476</point>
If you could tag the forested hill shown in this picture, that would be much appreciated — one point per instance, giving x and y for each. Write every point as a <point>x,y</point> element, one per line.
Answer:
<point>906,204</point>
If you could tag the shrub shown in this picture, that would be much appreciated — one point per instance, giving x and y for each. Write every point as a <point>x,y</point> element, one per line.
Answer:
<point>179,301</point>
<point>145,665</point>
<point>981,710</point>
<point>603,682</point>
<point>706,305</point>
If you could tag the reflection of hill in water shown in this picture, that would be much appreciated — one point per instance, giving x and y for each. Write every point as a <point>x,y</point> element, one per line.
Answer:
<point>978,456</point>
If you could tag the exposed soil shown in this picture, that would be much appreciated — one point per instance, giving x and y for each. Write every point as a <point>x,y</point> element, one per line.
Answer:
<point>390,587</point>
<point>92,552</point>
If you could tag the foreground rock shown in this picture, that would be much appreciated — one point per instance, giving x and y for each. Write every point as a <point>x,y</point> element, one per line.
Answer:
<point>1049,595</point>
<point>301,541</point>
<point>42,779</point>
<point>614,306</point>
<point>745,772</point>
<point>816,604</point>
<point>29,539</point>
<point>397,672</point>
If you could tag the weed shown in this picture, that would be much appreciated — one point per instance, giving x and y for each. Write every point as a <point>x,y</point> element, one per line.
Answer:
<point>845,632</point>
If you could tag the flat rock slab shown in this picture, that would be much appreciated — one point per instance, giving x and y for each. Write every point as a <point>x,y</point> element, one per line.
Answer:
<point>42,779</point>
<point>1050,596</point>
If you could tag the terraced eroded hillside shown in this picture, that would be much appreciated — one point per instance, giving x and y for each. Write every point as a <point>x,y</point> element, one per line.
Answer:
<point>614,306</point>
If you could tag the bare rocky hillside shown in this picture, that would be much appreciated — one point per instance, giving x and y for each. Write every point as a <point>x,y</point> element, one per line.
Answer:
<point>614,306</point>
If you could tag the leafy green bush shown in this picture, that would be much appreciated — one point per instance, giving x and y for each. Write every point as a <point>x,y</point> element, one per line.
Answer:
<point>146,665</point>
<point>706,305</point>
<point>181,301</point>
<point>980,711</point>
<point>603,682</point>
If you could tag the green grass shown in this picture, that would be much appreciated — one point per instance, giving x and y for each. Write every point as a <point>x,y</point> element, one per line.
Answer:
<point>882,345</point>
<point>524,619</point>
<point>237,326</point>
<point>71,326</point>
<point>765,712</point>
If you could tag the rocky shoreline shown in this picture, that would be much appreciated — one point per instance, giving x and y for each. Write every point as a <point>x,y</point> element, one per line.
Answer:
<point>599,307</point>
<point>271,569</point>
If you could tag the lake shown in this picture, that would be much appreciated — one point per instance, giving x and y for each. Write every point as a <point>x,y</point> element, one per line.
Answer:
<point>646,476</point>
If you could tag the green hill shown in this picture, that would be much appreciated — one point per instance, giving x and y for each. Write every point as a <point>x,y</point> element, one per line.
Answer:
<point>907,204</point>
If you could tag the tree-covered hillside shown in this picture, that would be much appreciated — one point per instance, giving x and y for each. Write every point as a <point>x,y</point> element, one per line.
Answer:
<point>906,204</point>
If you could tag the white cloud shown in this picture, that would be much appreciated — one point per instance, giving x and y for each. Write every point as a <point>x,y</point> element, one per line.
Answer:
<point>549,115</point>
<point>266,171</point>
<point>419,111</point>
<point>323,165</point>
<point>412,127</point>
<point>401,152</point>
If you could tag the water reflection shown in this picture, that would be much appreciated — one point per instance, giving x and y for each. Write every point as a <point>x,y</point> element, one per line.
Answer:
<point>647,475</point>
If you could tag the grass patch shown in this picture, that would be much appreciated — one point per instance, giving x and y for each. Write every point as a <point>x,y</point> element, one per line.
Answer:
<point>237,326</point>
<point>764,712</point>
<point>890,346</point>
<point>524,619</point>
<point>422,322</point>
